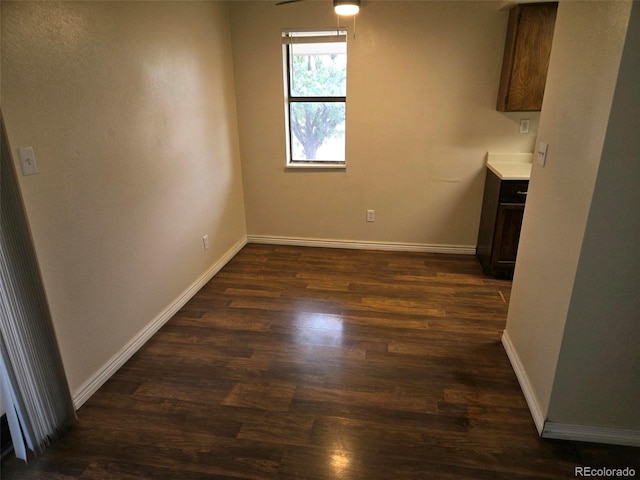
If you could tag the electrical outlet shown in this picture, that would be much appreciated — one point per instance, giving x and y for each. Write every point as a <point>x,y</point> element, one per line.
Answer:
<point>541,157</point>
<point>205,242</point>
<point>371,215</point>
<point>524,125</point>
<point>27,161</point>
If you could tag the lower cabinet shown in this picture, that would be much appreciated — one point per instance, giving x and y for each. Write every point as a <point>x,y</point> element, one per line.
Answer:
<point>500,224</point>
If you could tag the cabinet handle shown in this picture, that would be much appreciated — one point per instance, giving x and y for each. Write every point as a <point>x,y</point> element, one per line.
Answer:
<point>522,193</point>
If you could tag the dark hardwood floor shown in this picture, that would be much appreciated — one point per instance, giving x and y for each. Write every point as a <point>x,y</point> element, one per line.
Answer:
<point>307,363</point>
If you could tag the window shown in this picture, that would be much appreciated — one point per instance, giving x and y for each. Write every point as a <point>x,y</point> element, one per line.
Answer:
<point>315,77</point>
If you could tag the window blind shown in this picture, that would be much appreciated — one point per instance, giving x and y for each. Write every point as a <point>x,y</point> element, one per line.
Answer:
<point>289,38</point>
<point>33,373</point>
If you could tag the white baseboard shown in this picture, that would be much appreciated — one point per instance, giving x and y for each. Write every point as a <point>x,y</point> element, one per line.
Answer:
<point>120,358</point>
<point>588,433</point>
<point>353,244</point>
<point>525,384</point>
<point>564,431</point>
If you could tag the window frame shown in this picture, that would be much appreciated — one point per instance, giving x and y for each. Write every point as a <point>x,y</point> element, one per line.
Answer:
<point>323,36</point>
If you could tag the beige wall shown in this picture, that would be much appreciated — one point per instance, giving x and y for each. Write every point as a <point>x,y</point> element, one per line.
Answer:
<point>563,284</point>
<point>597,381</point>
<point>129,107</point>
<point>422,86</point>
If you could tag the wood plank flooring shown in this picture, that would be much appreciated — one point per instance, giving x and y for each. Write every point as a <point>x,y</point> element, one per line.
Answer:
<point>308,363</point>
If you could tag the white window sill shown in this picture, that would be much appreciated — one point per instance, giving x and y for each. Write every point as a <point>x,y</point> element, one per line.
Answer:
<point>316,166</point>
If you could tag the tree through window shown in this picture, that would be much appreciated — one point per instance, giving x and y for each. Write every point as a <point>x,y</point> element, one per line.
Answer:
<point>315,96</point>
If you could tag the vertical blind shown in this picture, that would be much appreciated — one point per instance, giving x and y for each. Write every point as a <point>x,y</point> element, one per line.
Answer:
<point>36,394</point>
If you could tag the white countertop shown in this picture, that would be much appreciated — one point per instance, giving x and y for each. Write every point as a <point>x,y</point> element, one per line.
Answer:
<point>510,166</point>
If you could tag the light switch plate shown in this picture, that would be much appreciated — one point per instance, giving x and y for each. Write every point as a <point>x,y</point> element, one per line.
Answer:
<point>541,157</point>
<point>27,161</point>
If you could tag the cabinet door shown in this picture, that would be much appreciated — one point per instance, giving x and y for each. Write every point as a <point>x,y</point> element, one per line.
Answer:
<point>508,225</point>
<point>526,57</point>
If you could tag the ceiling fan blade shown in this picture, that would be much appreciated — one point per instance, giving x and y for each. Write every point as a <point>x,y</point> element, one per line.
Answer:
<point>284,2</point>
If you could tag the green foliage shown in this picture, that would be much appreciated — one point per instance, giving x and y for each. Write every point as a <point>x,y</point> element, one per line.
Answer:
<point>314,122</point>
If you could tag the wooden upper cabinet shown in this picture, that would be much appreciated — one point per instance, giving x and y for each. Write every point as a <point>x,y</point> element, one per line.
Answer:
<point>526,57</point>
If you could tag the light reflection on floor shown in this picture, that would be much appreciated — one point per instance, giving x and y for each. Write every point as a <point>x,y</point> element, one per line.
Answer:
<point>318,329</point>
<point>323,329</point>
<point>340,461</point>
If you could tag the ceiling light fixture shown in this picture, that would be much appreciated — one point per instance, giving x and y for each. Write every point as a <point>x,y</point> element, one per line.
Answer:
<point>346,8</point>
